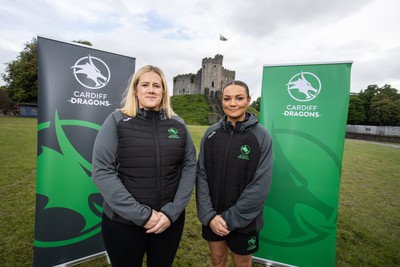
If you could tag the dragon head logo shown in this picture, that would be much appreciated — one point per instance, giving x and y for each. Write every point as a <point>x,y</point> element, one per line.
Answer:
<point>252,240</point>
<point>91,72</point>
<point>69,205</point>
<point>245,150</point>
<point>306,214</point>
<point>304,86</point>
<point>173,133</point>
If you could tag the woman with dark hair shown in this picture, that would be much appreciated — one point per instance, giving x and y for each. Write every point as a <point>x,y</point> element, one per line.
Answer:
<point>234,172</point>
<point>144,165</point>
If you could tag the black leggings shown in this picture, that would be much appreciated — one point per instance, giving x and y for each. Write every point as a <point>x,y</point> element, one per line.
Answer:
<point>126,244</point>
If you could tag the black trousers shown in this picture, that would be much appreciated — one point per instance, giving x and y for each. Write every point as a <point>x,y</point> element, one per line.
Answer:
<point>127,244</point>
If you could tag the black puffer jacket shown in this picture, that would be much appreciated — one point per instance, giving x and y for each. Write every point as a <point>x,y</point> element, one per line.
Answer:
<point>234,174</point>
<point>143,163</point>
<point>151,153</point>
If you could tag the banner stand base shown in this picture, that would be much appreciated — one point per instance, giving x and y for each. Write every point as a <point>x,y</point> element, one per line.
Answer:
<point>271,263</point>
<point>87,258</point>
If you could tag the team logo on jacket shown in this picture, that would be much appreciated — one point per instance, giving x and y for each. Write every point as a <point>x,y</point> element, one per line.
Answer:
<point>252,243</point>
<point>244,152</point>
<point>173,133</point>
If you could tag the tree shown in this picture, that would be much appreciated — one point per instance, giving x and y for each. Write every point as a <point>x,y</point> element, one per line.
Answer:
<point>366,97</point>
<point>356,113</point>
<point>390,92</point>
<point>83,42</point>
<point>397,104</point>
<point>381,105</point>
<point>21,75</point>
<point>6,104</point>
<point>382,111</point>
<point>256,104</point>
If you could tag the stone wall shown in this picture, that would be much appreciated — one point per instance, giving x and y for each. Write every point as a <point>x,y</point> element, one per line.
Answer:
<point>374,130</point>
<point>374,133</point>
<point>210,78</point>
<point>186,84</point>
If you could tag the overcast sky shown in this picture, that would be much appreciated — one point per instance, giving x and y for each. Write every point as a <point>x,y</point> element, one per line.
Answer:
<point>176,34</point>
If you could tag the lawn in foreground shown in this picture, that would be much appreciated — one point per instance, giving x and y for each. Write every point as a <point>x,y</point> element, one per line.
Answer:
<point>369,211</point>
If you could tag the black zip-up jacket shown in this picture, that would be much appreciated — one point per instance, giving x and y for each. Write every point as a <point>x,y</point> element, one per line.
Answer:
<point>142,163</point>
<point>234,174</point>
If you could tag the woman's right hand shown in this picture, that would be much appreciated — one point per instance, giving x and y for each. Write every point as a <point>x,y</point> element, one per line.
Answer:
<point>155,217</point>
<point>219,226</point>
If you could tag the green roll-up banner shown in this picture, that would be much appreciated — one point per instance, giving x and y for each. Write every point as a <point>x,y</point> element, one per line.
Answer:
<point>79,86</point>
<point>304,106</point>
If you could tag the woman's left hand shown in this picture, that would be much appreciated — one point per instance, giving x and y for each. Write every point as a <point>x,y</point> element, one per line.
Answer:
<point>162,224</point>
<point>219,226</point>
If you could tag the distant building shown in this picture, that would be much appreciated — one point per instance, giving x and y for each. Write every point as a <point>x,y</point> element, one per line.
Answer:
<point>28,110</point>
<point>208,80</point>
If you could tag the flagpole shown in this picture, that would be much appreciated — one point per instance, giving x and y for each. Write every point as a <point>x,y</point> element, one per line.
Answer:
<point>221,38</point>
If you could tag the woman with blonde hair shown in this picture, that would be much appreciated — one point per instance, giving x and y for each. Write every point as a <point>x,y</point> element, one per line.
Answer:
<point>130,102</point>
<point>144,165</point>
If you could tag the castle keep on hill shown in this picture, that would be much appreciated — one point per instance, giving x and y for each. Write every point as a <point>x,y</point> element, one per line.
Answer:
<point>208,80</point>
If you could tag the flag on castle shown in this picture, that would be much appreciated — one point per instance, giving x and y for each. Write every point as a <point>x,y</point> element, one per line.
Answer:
<point>222,38</point>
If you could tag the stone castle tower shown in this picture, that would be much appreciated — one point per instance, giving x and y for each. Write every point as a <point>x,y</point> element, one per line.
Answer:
<point>208,80</point>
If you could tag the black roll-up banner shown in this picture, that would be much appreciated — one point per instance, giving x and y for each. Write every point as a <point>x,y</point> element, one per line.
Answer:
<point>79,86</point>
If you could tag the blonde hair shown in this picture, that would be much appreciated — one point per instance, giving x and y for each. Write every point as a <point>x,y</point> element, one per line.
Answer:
<point>130,102</point>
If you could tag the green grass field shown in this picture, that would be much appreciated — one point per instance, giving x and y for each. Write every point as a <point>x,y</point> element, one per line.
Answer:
<point>368,231</point>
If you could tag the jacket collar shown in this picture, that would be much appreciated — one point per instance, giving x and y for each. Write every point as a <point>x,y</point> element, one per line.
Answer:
<point>249,121</point>
<point>149,114</point>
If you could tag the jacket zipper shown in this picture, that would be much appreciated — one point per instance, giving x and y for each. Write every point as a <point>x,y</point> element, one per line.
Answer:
<point>157,170</point>
<point>222,196</point>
